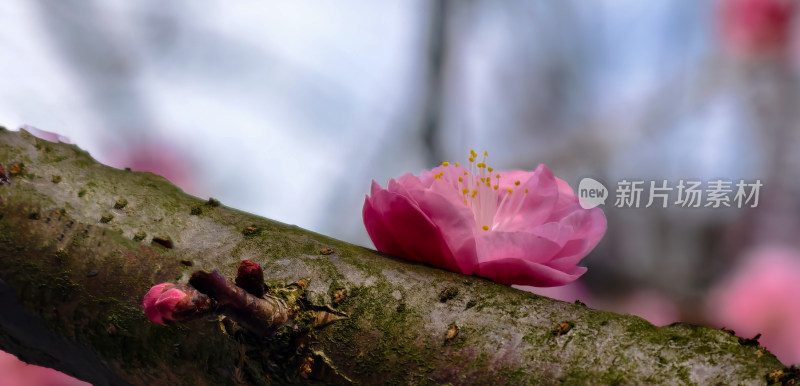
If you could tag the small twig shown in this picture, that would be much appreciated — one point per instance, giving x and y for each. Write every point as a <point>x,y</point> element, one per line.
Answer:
<point>259,315</point>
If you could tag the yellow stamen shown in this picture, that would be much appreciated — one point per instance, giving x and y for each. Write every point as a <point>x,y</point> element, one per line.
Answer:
<point>485,227</point>
<point>490,170</point>
<point>481,165</point>
<point>496,187</point>
<point>445,163</point>
<point>510,190</point>
<point>460,179</point>
<point>457,165</point>
<point>474,192</point>
<point>516,183</point>
<point>471,159</point>
<point>526,190</point>
<point>465,191</point>
<point>485,153</point>
<point>473,153</point>
<point>498,176</point>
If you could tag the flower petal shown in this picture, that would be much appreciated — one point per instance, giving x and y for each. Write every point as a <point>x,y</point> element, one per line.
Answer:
<point>451,173</point>
<point>418,237</point>
<point>450,192</point>
<point>456,222</point>
<point>557,232</point>
<point>374,188</point>
<point>410,181</point>
<point>538,203</point>
<point>380,234</point>
<point>515,245</point>
<point>587,235</point>
<point>397,188</point>
<point>523,272</point>
<point>566,202</point>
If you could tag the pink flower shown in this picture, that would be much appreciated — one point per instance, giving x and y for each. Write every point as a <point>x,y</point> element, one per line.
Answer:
<point>512,227</point>
<point>756,26</point>
<point>763,297</point>
<point>14,372</point>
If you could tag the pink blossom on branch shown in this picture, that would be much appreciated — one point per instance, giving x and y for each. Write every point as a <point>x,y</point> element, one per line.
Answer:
<point>762,297</point>
<point>149,303</point>
<point>513,227</point>
<point>167,302</point>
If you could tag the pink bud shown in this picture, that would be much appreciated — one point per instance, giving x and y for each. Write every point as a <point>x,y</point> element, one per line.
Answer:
<point>149,303</point>
<point>250,277</point>
<point>168,302</point>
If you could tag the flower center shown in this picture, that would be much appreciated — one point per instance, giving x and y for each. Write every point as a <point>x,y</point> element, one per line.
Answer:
<point>493,209</point>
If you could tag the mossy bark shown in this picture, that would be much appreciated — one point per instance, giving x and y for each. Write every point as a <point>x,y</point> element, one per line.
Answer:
<point>75,263</point>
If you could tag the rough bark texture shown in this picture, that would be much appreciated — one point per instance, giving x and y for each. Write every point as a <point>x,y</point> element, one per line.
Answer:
<point>77,253</point>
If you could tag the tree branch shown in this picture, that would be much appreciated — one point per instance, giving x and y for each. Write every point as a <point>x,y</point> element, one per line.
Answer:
<point>81,243</point>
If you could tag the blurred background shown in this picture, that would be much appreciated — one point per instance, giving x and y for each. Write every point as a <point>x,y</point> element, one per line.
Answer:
<point>289,110</point>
